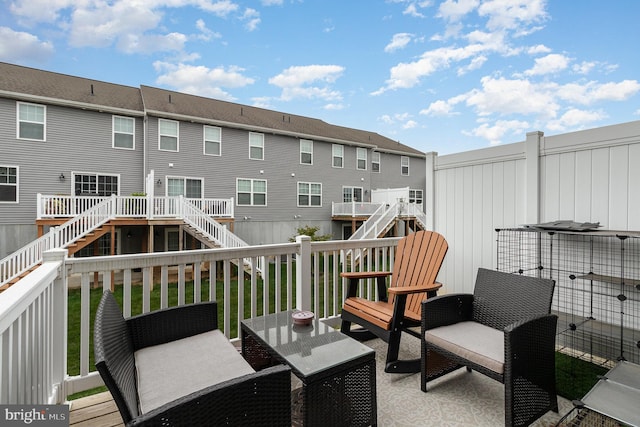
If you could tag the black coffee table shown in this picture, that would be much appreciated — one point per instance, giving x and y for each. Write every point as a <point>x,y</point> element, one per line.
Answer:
<point>338,373</point>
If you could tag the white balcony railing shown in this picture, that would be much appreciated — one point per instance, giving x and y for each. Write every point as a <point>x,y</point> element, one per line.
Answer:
<point>355,209</point>
<point>34,314</point>
<point>65,206</point>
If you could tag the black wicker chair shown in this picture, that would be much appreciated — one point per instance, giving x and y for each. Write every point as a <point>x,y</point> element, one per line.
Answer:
<point>505,331</point>
<point>261,398</point>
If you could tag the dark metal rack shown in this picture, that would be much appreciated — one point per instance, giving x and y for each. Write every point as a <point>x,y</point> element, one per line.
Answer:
<point>597,295</point>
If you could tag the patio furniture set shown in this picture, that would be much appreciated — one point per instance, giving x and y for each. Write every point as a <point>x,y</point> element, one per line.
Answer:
<point>174,367</point>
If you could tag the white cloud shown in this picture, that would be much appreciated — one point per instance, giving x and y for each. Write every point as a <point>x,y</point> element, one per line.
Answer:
<point>410,124</point>
<point>591,92</point>
<point>308,82</point>
<point>512,14</point>
<point>495,133</point>
<point>17,46</point>
<point>475,64</point>
<point>272,2</point>
<point>205,33</point>
<point>407,75</point>
<point>141,43</point>
<point>300,75</point>
<point>438,108</point>
<point>549,64</point>
<point>537,49</point>
<point>252,19</point>
<point>334,107</point>
<point>519,96</point>
<point>575,119</point>
<point>398,41</point>
<point>130,26</point>
<point>452,10</point>
<point>200,80</point>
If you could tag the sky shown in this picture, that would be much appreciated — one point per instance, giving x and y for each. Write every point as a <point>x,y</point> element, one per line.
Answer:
<point>444,76</point>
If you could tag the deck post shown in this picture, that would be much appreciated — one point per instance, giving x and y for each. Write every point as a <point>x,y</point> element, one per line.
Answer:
<point>303,273</point>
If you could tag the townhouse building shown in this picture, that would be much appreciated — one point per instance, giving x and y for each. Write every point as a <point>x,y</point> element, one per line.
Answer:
<point>69,135</point>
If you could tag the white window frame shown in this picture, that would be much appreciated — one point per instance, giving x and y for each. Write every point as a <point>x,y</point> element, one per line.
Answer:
<point>418,196</point>
<point>361,158</point>
<point>251,192</point>
<point>334,156</point>
<point>97,184</point>
<point>351,195</point>
<point>184,180</point>
<point>176,136</point>
<point>309,194</point>
<point>375,160</point>
<point>43,122</point>
<point>256,144</point>
<point>120,131</point>
<point>305,150</point>
<point>11,184</point>
<point>404,163</point>
<point>205,140</point>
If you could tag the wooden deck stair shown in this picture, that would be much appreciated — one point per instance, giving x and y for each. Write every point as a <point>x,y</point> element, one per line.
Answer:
<point>88,239</point>
<point>201,237</point>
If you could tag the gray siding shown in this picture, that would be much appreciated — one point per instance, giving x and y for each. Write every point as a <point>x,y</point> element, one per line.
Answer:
<point>76,141</point>
<point>281,159</point>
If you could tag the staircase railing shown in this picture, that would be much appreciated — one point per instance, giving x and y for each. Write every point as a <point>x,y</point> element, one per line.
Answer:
<point>212,229</point>
<point>414,210</point>
<point>376,223</point>
<point>30,255</point>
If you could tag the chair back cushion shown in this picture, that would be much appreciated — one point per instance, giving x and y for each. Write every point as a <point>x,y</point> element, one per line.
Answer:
<point>500,298</point>
<point>418,259</point>
<point>114,356</point>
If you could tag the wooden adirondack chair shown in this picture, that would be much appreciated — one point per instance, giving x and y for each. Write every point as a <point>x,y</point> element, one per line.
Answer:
<point>418,258</point>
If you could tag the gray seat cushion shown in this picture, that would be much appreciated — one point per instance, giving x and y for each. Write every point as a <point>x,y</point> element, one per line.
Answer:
<point>473,341</point>
<point>172,370</point>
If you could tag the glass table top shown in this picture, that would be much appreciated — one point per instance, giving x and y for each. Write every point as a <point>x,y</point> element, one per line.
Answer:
<point>618,395</point>
<point>308,350</point>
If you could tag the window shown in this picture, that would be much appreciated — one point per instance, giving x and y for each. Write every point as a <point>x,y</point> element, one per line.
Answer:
<point>338,155</point>
<point>89,184</point>
<point>351,194</point>
<point>212,141</point>
<point>168,134</point>
<point>404,165</point>
<point>361,158</point>
<point>190,188</point>
<point>375,161</point>
<point>8,184</point>
<point>415,196</point>
<point>256,146</point>
<point>31,121</point>
<point>309,194</point>
<point>306,152</point>
<point>251,192</point>
<point>123,132</point>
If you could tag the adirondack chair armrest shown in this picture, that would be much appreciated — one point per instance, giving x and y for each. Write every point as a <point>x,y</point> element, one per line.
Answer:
<point>445,310</point>
<point>355,276</point>
<point>406,290</point>
<point>364,274</point>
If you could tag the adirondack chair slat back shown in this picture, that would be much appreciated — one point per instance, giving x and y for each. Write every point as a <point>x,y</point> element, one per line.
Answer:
<point>418,259</point>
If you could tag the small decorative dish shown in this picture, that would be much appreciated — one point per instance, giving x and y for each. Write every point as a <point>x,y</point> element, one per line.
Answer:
<point>302,317</point>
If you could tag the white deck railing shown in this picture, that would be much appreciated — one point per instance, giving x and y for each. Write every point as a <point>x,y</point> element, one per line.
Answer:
<point>33,312</point>
<point>27,257</point>
<point>65,206</point>
<point>91,212</point>
<point>354,208</point>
